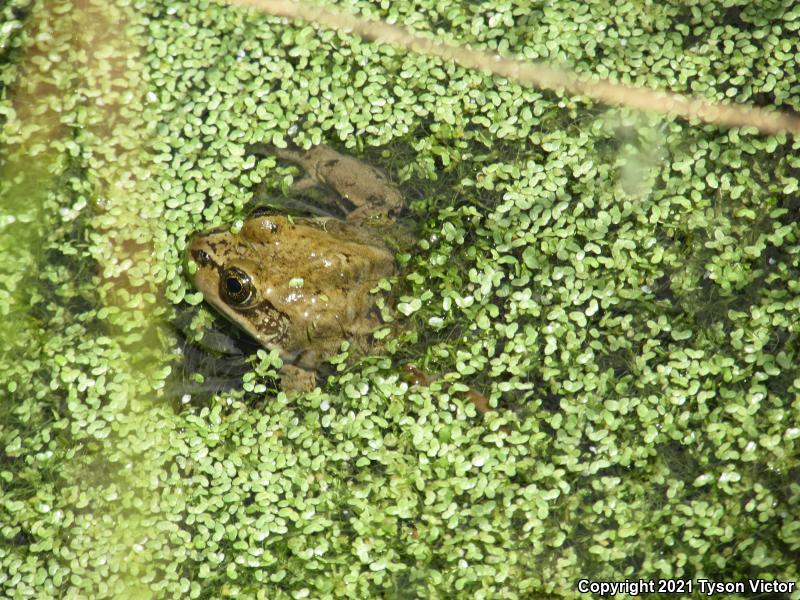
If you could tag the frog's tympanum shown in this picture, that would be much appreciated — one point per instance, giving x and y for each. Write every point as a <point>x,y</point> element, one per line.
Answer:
<point>301,285</point>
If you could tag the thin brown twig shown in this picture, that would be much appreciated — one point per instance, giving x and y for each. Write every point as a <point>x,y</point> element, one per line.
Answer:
<point>537,74</point>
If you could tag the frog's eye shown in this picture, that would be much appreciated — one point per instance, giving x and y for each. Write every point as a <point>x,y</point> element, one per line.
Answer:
<point>236,287</point>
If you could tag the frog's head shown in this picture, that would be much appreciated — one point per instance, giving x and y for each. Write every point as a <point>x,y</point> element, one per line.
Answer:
<point>231,276</point>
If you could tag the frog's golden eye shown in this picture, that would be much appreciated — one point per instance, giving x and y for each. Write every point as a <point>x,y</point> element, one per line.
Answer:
<point>236,287</point>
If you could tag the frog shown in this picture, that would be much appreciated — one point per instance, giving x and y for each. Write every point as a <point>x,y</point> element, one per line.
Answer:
<point>302,285</point>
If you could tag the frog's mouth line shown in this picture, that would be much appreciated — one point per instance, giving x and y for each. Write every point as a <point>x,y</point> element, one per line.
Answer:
<point>276,321</point>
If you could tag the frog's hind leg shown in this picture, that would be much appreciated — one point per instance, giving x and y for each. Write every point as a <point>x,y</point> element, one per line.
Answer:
<point>305,184</point>
<point>311,184</point>
<point>325,201</point>
<point>310,161</point>
<point>306,194</point>
<point>303,159</point>
<point>379,209</point>
<point>296,157</point>
<point>292,154</point>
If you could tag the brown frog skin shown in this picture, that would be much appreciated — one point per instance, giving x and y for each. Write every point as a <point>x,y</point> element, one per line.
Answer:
<point>301,285</point>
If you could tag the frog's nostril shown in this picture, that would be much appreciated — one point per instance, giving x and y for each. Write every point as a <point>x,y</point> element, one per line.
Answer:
<point>202,258</point>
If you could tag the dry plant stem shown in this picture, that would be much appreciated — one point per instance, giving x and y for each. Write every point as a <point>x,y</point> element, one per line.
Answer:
<point>538,75</point>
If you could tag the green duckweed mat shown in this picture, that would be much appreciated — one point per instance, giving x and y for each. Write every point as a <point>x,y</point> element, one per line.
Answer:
<point>623,287</point>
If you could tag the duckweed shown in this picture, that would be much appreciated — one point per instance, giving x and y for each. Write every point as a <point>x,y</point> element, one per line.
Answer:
<point>622,287</point>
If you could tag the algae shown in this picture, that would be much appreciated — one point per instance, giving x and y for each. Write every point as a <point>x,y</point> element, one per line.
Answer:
<point>623,287</point>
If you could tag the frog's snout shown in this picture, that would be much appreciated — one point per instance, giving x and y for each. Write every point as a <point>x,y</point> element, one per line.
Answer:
<point>194,252</point>
<point>202,249</point>
<point>201,257</point>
